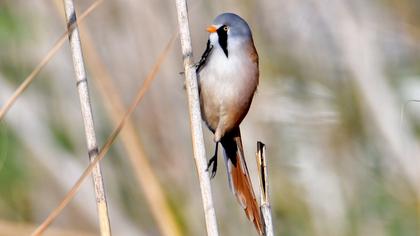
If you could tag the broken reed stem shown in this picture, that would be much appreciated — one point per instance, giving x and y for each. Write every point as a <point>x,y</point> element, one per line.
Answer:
<point>28,80</point>
<point>110,140</point>
<point>195,118</point>
<point>82,88</point>
<point>264,195</point>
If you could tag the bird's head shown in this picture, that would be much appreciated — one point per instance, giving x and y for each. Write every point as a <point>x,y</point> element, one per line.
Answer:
<point>227,31</point>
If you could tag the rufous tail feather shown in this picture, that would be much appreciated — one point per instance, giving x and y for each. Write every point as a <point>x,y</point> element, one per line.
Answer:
<point>239,179</point>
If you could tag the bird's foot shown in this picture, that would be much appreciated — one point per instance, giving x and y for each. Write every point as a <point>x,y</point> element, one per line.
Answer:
<point>212,162</point>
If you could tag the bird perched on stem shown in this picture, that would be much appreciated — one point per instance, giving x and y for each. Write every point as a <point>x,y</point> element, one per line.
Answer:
<point>228,78</point>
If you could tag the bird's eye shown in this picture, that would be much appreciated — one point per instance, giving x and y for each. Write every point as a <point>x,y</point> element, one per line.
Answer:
<point>225,28</point>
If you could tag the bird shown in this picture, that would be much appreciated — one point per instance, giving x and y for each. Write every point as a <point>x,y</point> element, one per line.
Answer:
<point>228,75</point>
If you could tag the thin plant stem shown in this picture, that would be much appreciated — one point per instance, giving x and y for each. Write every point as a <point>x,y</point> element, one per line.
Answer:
<point>82,89</point>
<point>264,190</point>
<point>195,118</point>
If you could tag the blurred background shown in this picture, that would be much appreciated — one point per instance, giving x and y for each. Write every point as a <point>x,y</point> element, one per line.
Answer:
<point>334,107</point>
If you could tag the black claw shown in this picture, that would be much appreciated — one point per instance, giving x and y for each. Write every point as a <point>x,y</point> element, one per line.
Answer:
<point>212,174</point>
<point>213,162</point>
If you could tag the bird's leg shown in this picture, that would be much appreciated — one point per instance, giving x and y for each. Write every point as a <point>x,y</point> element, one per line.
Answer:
<point>213,161</point>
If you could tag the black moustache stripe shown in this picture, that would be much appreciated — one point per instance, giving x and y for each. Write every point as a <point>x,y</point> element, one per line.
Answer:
<point>223,39</point>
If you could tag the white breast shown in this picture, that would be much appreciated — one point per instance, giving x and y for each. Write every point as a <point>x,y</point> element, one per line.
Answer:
<point>227,84</point>
<point>228,76</point>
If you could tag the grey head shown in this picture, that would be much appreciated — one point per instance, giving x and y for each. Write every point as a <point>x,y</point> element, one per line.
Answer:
<point>236,25</point>
<point>227,29</point>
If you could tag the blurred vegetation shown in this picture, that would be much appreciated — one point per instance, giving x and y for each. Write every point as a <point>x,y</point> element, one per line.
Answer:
<point>333,165</point>
<point>15,203</point>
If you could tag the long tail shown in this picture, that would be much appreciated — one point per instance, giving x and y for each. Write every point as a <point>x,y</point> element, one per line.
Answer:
<point>239,179</point>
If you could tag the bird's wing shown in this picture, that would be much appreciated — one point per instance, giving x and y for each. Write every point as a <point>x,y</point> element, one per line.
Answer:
<point>239,179</point>
<point>204,57</point>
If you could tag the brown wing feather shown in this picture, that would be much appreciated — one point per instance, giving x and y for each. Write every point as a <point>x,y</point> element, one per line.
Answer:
<point>239,179</point>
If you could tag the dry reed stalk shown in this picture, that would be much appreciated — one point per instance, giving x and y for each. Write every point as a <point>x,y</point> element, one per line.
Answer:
<point>110,140</point>
<point>82,89</point>
<point>132,143</point>
<point>195,118</point>
<point>50,54</point>
<point>264,190</point>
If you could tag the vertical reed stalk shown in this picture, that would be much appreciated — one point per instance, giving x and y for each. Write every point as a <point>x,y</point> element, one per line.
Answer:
<point>195,118</point>
<point>82,87</point>
<point>265,201</point>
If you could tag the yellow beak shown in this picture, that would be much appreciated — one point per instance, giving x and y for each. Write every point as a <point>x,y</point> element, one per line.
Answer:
<point>211,29</point>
